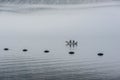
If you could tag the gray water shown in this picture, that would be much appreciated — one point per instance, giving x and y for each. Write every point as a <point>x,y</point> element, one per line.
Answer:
<point>52,1</point>
<point>97,30</point>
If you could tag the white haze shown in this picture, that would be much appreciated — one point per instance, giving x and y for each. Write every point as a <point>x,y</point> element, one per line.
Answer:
<point>96,27</point>
<point>63,22</point>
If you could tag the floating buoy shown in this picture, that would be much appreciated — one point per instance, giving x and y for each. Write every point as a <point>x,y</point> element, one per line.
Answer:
<point>25,50</point>
<point>71,52</point>
<point>100,54</point>
<point>46,51</point>
<point>6,49</point>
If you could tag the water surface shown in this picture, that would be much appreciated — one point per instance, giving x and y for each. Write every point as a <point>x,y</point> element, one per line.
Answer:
<point>96,30</point>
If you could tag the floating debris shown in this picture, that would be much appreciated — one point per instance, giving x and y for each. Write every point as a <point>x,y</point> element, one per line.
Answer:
<point>25,50</point>
<point>100,54</point>
<point>6,49</point>
<point>46,51</point>
<point>71,52</point>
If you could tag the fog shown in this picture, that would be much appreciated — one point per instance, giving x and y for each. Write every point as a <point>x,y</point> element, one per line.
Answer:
<point>101,21</point>
<point>95,26</point>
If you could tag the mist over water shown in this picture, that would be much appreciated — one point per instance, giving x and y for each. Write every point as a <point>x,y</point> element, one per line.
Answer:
<point>28,31</point>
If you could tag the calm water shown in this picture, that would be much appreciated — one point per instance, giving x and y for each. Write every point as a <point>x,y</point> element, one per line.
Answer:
<point>97,30</point>
<point>85,64</point>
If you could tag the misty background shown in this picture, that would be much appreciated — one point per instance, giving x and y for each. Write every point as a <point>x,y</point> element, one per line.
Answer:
<point>39,25</point>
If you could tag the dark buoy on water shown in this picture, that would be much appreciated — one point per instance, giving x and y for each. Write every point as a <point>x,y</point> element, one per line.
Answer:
<point>71,52</point>
<point>100,54</point>
<point>25,50</point>
<point>6,49</point>
<point>46,51</point>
